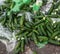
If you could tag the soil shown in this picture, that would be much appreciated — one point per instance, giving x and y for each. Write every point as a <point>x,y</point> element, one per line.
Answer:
<point>2,49</point>
<point>48,49</point>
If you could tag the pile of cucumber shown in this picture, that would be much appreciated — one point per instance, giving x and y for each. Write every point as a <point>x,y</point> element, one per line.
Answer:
<point>40,29</point>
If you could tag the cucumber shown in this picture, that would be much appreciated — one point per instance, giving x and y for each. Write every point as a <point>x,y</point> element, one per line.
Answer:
<point>50,25</point>
<point>40,32</point>
<point>35,31</point>
<point>55,34</point>
<point>17,49</point>
<point>12,25</point>
<point>30,34</point>
<point>15,21</point>
<point>21,21</point>
<point>26,40</point>
<point>54,42</point>
<point>53,16</point>
<point>3,21</point>
<point>49,34</point>
<point>22,45</point>
<point>27,25</point>
<point>40,21</point>
<point>49,29</point>
<point>18,45</point>
<point>43,30</point>
<point>34,38</point>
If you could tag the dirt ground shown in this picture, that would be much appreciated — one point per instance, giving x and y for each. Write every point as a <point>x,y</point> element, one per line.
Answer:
<point>48,49</point>
<point>2,49</point>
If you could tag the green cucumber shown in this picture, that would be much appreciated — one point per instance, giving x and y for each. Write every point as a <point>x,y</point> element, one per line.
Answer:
<point>49,34</point>
<point>55,34</point>
<point>49,29</point>
<point>22,45</point>
<point>54,42</point>
<point>43,30</point>
<point>15,21</point>
<point>27,25</point>
<point>40,21</point>
<point>17,49</point>
<point>50,25</point>
<point>53,16</point>
<point>18,45</point>
<point>29,34</point>
<point>21,21</point>
<point>12,26</point>
<point>35,31</point>
<point>39,29</point>
<point>34,38</point>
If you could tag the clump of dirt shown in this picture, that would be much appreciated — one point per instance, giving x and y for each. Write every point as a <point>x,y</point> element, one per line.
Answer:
<point>2,48</point>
